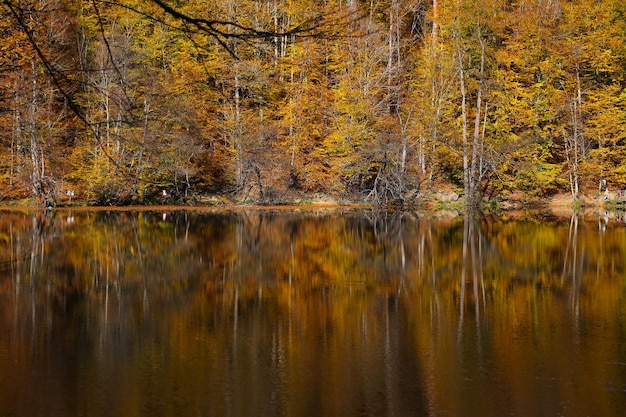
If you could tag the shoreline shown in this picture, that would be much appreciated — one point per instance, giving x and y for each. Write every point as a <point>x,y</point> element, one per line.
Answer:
<point>560,204</point>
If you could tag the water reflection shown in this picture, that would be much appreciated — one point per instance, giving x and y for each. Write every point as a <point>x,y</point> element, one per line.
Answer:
<point>328,313</point>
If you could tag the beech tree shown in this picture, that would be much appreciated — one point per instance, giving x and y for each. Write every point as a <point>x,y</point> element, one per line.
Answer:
<point>269,101</point>
<point>40,125</point>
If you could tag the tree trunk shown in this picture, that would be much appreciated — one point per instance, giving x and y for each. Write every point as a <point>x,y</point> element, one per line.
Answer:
<point>466,172</point>
<point>471,152</point>
<point>36,178</point>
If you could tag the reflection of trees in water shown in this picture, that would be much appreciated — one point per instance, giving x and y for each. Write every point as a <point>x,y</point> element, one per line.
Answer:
<point>472,257</point>
<point>573,266</point>
<point>88,269</point>
<point>241,291</point>
<point>23,255</point>
<point>390,228</point>
<point>109,256</point>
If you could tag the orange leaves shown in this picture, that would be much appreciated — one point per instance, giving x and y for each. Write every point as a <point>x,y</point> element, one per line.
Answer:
<point>315,97</point>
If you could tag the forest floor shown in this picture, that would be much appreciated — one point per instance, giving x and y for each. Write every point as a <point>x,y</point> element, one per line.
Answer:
<point>564,201</point>
<point>561,205</point>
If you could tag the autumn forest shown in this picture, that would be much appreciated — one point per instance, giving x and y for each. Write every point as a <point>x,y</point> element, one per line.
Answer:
<point>271,101</point>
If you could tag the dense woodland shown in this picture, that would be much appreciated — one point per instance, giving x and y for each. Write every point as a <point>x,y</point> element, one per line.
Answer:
<point>270,101</point>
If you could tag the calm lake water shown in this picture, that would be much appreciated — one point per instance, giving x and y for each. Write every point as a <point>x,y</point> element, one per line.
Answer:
<point>310,313</point>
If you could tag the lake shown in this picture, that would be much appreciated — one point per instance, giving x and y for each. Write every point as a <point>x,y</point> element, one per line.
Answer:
<point>311,312</point>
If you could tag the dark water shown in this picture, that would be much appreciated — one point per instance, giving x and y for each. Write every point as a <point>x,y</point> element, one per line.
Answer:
<point>317,313</point>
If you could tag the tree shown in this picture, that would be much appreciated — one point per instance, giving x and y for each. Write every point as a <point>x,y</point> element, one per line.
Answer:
<point>119,106</point>
<point>267,100</point>
<point>593,59</point>
<point>41,123</point>
<point>469,37</point>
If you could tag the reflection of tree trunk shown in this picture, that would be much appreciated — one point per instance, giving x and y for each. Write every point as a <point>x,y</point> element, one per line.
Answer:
<point>466,222</point>
<point>141,263</point>
<point>235,319</point>
<point>432,266</point>
<point>475,237</point>
<point>401,287</point>
<point>37,244</point>
<point>471,258</point>
<point>35,251</point>
<point>573,264</point>
<point>16,274</point>
<point>474,272</point>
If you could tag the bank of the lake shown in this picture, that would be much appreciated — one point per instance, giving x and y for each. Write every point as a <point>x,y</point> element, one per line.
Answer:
<point>558,204</point>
